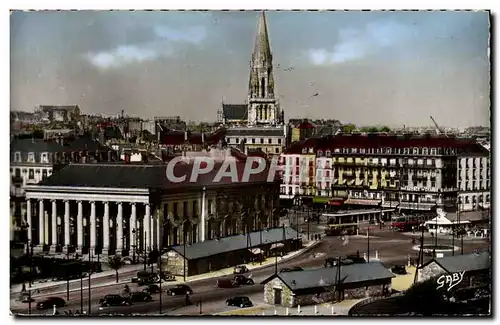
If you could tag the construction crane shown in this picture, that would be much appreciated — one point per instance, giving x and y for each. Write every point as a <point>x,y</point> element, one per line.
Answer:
<point>440,131</point>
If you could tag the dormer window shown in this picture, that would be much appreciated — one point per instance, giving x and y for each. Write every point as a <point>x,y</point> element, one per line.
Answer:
<point>17,157</point>
<point>44,158</point>
<point>31,157</point>
<point>328,153</point>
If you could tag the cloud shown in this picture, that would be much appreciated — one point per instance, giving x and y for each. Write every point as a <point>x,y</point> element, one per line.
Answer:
<point>130,54</point>
<point>356,43</point>
<point>190,35</point>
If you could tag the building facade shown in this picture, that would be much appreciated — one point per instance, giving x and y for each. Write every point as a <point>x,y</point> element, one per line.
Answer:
<point>408,172</point>
<point>122,208</point>
<point>473,170</point>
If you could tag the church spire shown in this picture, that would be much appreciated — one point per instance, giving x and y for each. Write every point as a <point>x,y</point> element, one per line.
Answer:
<point>262,49</point>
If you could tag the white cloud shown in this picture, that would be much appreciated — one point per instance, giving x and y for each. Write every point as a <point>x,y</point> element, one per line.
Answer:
<point>130,54</point>
<point>355,44</point>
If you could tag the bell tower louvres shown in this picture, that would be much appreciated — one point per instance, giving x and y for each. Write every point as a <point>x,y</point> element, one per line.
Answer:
<point>263,108</point>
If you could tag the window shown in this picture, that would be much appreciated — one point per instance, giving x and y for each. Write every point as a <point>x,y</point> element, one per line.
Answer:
<point>17,157</point>
<point>31,174</point>
<point>210,206</point>
<point>253,140</point>
<point>279,141</point>
<point>44,158</point>
<point>31,157</point>
<point>269,140</point>
<point>466,186</point>
<point>44,173</point>
<point>165,211</point>
<point>237,140</point>
<point>184,209</point>
<point>195,208</point>
<point>261,141</point>
<point>433,184</point>
<point>18,172</point>
<point>277,150</point>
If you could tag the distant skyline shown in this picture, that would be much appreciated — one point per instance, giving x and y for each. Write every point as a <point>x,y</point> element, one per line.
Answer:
<point>368,68</point>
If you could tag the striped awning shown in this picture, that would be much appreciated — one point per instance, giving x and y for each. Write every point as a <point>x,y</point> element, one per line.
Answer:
<point>363,202</point>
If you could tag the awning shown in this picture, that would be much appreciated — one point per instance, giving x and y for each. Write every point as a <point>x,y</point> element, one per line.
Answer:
<point>363,202</point>
<point>334,181</point>
<point>352,182</point>
<point>256,251</point>
<point>335,202</point>
<point>277,245</point>
<point>321,199</point>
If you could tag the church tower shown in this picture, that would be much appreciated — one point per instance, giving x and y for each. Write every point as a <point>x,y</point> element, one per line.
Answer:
<point>263,107</point>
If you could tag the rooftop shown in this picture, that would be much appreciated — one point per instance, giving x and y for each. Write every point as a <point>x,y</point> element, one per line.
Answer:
<point>325,277</point>
<point>467,262</point>
<point>235,243</point>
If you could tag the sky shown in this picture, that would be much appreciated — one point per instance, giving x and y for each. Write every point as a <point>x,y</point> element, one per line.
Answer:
<point>368,68</point>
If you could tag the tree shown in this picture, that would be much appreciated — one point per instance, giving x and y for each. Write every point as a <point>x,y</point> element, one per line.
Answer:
<point>385,129</point>
<point>424,298</point>
<point>348,128</point>
<point>115,262</point>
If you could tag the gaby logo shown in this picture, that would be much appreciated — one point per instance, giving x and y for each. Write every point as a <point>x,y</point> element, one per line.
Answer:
<point>450,280</point>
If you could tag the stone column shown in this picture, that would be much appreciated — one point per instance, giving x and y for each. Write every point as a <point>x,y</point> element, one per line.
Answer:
<point>66,227</point>
<point>119,230</point>
<point>79,228</point>
<point>203,217</point>
<point>105,229</point>
<point>93,227</point>
<point>147,227</point>
<point>28,219</point>
<point>54,226</point>
<point>41,224</point>
<point>133,226</point>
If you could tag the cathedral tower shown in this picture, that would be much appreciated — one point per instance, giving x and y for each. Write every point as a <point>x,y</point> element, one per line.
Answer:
<point>263,107</point>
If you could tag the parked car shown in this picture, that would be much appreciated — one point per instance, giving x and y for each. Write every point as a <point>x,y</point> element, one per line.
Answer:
<point>50,303</point>
<point>114,300</point>
<point>291,269</point>
<point>140,296</point>
<point>152,288</point>
<point>399,269</point>
<point>356,259</point>
<point>241,302</point>
<point>240,269</point>
<point>243,280</point>
<point>227,283</point>
<point>180,289</point>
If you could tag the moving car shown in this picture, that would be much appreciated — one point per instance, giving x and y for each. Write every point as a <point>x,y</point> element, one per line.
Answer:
<point>226,283</point>
<point>240,269</point>
<point>140,296</point>
<point>241,302</point>
<point>50,303</point>
<point>114,300</point>
<point>291,269</point>
<point>399,269</point>
<point>180,289</point>
<point>152,288</point>
<point>243,280</point>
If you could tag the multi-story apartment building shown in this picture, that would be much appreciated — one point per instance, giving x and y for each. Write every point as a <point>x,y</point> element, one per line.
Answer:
<point>473,170</point>
<point>299,169</point>
<point>413,173</point>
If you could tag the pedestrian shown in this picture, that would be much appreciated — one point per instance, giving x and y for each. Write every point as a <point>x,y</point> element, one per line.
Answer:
<point>24,287</point>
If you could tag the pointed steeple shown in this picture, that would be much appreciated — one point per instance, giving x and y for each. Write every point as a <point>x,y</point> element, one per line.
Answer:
<point>262,49</point>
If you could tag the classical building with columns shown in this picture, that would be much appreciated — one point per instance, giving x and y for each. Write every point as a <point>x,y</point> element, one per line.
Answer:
<point>118,208</point>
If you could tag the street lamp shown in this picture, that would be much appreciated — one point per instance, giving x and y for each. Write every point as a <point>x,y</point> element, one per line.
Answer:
<point>134,246</point>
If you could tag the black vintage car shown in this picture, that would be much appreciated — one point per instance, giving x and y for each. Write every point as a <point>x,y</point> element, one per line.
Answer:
<point>399,269</point>
<point>292,269</point>
<point>140,296</point>
<point>180,289</point>
<point>114,300</point>
<point>241,302</point>
<point>50,303</point>
<point>152,288</point>
<point>145,277</point>
<point>243,280</point>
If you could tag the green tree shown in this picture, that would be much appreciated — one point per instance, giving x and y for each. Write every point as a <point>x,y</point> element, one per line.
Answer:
<point>115,262</point>
<point>424,298</point>
<point>385,129</point>
<point>348,128</point>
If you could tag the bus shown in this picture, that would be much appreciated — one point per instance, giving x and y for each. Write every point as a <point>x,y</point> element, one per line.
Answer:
<point>341,229</point>
<point>403,224</point>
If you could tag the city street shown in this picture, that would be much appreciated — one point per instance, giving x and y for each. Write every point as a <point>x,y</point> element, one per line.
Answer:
<point>392,247</point>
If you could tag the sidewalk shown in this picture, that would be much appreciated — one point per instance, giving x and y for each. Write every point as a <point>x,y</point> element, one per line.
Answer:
<point>46,284</point>
<point>219,273</point>
<point>444,236</point>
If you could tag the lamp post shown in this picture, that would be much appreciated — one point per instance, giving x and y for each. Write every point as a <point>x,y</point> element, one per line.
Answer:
<point>134,245</point>
<point>144,249</point>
